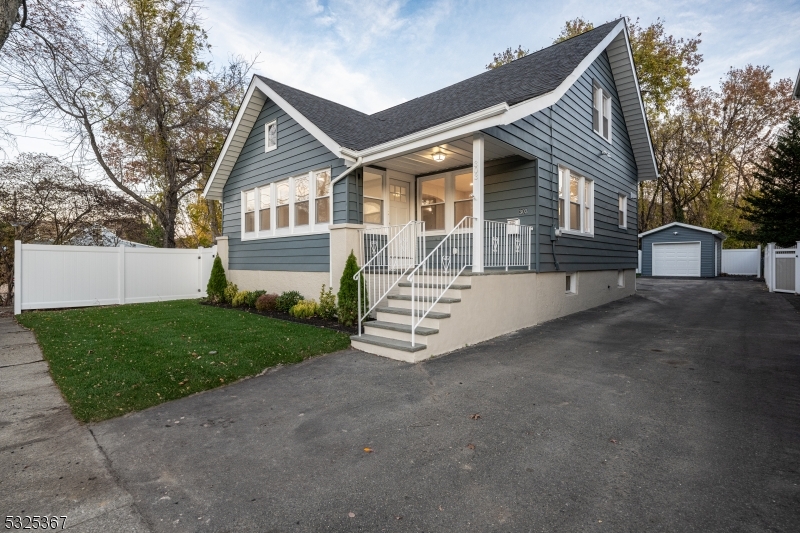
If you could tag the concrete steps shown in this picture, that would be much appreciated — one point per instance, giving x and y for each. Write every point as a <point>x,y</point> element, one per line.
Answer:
<point>390,334</point>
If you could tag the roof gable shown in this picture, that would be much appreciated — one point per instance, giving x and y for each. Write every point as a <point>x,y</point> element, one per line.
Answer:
<point>714,232</point>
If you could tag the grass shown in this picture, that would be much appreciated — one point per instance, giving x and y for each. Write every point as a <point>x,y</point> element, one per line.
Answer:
<point>109,361</point>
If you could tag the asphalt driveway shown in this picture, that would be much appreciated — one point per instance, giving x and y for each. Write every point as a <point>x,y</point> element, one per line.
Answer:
<point>677,409</point>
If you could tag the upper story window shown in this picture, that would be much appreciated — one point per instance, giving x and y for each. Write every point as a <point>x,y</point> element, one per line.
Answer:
<point>271,136</point>
<point>373,197</point>
<point>575,202</point>
<point>623,211</point>
<point>297,205</point>
<point>601,113</point>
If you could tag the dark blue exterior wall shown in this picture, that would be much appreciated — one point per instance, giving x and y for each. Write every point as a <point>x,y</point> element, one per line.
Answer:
<point>298,151</point>
<point>563,135</point>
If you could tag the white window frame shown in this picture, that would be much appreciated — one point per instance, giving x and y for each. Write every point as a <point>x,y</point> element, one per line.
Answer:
<point>384,197</point>
<point>449,198</point>
<point>572,277</point>
<point>603,99</point>
<point>267,147</point>
<point>622,207</point>
<point>564,176</point>
<point>620,279</point>
<point>311,228</point>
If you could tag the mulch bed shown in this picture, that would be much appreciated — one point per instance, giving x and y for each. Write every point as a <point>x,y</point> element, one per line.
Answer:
<point>314,321</point>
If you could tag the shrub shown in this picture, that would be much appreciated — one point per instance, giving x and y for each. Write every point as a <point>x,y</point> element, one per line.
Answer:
<point>252,297</point>
<point>217,282</point>
<point>230,292</point>
<point>287,300</point>
<point>240,300</point>
<point>347,310</point>
<point>327,303</point>
<point>266,302</point>
<point>304,309</point>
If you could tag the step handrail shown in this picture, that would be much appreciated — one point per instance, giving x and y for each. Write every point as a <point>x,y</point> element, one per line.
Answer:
<point>439,270</point>
<point>377,271</point>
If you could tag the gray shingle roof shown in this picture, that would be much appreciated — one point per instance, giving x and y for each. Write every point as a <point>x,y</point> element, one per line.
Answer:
<point>531,76</point>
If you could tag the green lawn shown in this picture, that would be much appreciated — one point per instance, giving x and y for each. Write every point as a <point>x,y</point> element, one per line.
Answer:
<point>112,360</point>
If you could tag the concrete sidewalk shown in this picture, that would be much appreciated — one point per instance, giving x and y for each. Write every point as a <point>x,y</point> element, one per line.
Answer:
<point>51,464</point>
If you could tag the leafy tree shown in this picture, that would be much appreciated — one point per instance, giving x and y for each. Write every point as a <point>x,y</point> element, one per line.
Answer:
<point>573,28</point>
<point>347,310</point>
<point>129,80</point>
<point>217,282</point>
<point>775,207</point>
<point>507,56</point>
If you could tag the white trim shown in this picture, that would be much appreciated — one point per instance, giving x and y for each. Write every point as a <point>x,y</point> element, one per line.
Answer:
<point>682,225</point>
<point>384,197</point>
<point>605,108</point>
<point>622,199</point>
<point>567,175</point>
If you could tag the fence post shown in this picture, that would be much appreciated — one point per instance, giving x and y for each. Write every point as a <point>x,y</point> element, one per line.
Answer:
<point>121,274</point>
<point>797,268</point>
<point>769,265</point>
<point>17,277</point>
<point>759,261</point>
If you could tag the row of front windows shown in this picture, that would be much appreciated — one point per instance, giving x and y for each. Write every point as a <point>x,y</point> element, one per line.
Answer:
<point>293,205</point>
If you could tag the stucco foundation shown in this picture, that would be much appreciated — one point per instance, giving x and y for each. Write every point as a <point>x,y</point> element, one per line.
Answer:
<point>278,281</point>
<point>500,303</point>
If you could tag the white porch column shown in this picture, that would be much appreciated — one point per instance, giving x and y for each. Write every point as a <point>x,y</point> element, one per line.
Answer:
<point>477,201</point>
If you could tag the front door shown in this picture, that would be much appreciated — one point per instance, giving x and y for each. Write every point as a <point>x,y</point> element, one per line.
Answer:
<point>399,203</point>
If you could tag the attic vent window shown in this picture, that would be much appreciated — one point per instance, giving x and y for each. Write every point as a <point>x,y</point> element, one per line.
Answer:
<point>271,136</point>
<point>601,113</point>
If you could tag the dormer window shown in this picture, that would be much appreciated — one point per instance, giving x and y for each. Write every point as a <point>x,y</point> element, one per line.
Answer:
<point>601,113</point>
<point>271,136</point>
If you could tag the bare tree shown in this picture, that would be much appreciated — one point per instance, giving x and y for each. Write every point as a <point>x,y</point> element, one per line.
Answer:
<point>42,200</point>
<point>128,79</point>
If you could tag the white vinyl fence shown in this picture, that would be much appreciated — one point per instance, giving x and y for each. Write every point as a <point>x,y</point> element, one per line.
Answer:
<point>782,268</point>
<point>742,262</point>
<point>48,276</point>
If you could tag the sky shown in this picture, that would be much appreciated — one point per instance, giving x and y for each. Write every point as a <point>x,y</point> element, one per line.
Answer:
<point>374,54</point>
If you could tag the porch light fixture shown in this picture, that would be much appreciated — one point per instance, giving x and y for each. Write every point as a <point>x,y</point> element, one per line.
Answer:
<point>438,157</point>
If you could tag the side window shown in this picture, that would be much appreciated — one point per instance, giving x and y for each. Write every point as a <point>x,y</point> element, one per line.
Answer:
<point>263,213</point>
<point>575,202</point>
<point>271,136</point>
<point>322,181</point>
<point>623,211</point>
<point>282,204</point>
<point>432,196</point>
<point>301,196</point>
<point>601,113</point>
<point>373,198</point>
<point>250,211</point>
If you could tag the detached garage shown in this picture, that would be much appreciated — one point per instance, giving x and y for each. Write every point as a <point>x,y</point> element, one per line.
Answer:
<point>682,250</point>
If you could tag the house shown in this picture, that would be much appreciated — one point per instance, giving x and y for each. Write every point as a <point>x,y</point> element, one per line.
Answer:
<point>796,92</point>
<point>678,249</point>
<point>496,203</point>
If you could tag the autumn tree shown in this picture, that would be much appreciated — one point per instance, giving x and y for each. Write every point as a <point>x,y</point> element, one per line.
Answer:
<point>128,79</point>
<point>43,200</point>
<point>573,28</point>
<point>507,56</point>
<point>774,207</point>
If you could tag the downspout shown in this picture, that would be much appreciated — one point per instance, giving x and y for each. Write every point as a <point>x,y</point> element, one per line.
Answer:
<point>353,167</point>
<point>554,233</point>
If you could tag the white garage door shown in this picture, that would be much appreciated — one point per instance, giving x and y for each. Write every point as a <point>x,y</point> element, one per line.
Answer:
<point>676,259</point>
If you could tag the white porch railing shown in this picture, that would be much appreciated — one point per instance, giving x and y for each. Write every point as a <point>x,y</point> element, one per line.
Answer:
<point>506,245</point>
<point>389,252</point>
<point>439,270</point>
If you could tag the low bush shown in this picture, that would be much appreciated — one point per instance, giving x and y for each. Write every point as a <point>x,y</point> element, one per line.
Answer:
<point>266,302</point>
<point>287,300</point>
<point>240,300</point>
<point>327,304</point>
<point>230,292</point>
<point>304,309</point>
<point>252,297</point>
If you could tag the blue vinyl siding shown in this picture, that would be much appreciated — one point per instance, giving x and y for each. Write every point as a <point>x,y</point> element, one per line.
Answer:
<point>574,145</point>
<point>297,152</point>
<point>708,255</point>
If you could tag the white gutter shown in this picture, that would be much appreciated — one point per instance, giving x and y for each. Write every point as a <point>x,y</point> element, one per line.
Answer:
<point>349,170</point>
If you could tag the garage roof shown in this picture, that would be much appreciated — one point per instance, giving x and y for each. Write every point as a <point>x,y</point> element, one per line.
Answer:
<point>714,232</point>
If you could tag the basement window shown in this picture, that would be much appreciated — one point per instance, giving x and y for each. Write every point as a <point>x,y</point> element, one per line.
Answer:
<point>572,283</point>
<point>621,279</point>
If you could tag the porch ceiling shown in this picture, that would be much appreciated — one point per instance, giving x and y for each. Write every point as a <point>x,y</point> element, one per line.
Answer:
<point>458,154</point>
